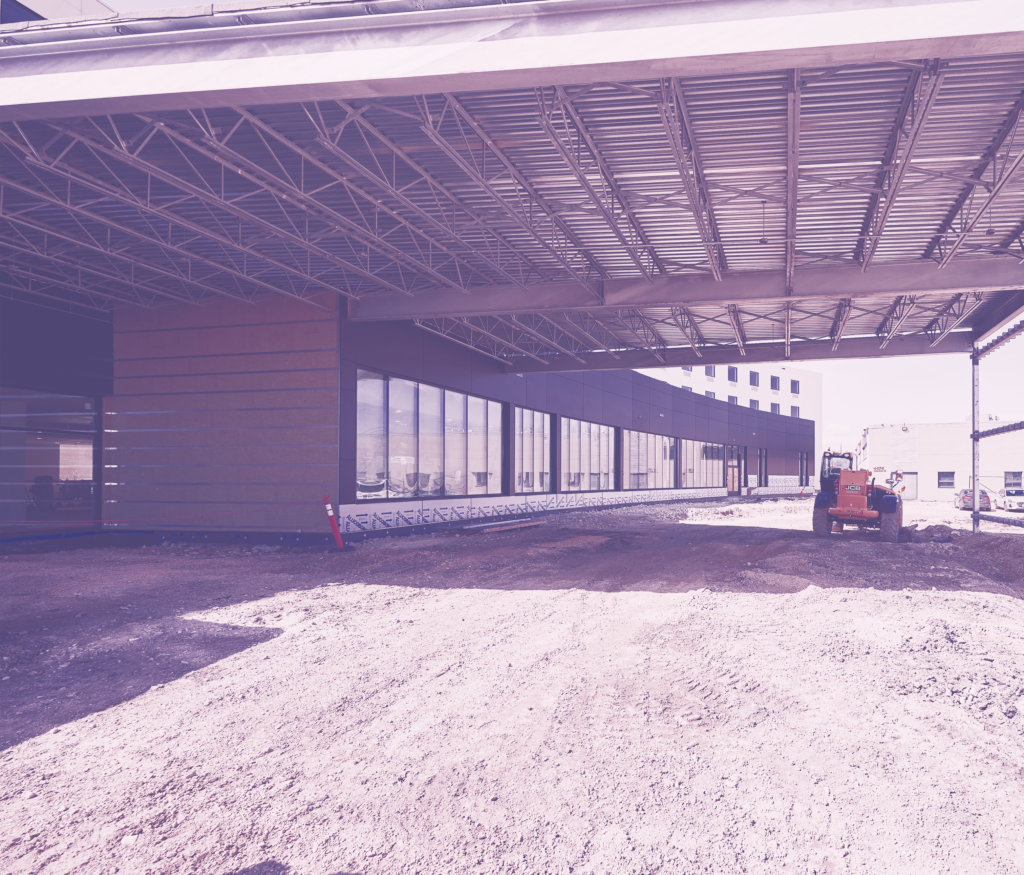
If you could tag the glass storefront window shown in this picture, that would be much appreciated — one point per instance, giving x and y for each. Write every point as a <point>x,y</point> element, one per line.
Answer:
<point>47,446</point>
<point>587,456</point>
<point>414,440</point>
<point>532,452</point>
<point>701,464</point>
<point>650,460</point>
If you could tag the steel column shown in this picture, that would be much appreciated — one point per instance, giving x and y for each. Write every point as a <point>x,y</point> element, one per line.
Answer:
<point>975,441</point>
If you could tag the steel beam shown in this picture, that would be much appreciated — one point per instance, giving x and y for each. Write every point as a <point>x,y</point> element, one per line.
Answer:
<point>634,322</point>
<point>901,308</point>
<point>675,119</point>
<point>606,195</point>
<point>462,331</point>
<point>737,328</point>
<point>1002,429</point>
<point>582,326</point>
<point>953,316</point>
<point>520,323</point>
<point>561,242</point>
<point>918,100</point>
<point>843,310</point>
<point>972,223</point>
<point>684,322</point>
<point>1001,340</point>
<point>802,350</point>
<point>971,185</point>
<point>792,171</point>
<point>379,177</point>
<point>975,442</point>
<point>809,284</point>
<point>292,194</point>
<point>343,50</point>
<point>207,196</point>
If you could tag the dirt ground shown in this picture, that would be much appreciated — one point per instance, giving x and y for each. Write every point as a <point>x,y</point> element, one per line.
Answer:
<point>662,689</point>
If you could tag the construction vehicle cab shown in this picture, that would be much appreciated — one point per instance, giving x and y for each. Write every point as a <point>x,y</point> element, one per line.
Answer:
<point>851,497</point>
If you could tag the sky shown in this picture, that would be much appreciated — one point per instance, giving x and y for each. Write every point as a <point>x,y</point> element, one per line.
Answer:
<point>915,389</point>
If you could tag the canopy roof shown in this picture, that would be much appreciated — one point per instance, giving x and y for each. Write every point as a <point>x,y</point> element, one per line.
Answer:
<point>867,208</point>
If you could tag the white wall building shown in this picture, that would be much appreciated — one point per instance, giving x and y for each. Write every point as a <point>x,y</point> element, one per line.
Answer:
<point>935,458</point>
<point>772,387</point>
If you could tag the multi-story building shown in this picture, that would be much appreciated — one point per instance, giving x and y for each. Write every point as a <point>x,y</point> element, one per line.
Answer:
<point>935,458</point>
<point>775,388</point>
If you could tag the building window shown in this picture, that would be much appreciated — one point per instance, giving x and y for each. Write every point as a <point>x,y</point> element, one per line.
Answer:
<point>688,368</point>
<point>649,460</point>
<point>805,470</point>
<point>775,384</point>
<point>532,451</point>
<point>734,375</point>
<point>687,388</point>
<point>755,378</point>
<point>587,456</point>
<point>48,445</point>
<point>762,467</point>
<point>946,480</point>
<point>1012,479</point>
<point>776,408</point>
<point>709,370</point>
<point>794,387</point>
<point>415,440</point>
<point>733,399</point>
<point>710,394</point>
<point>754,405</point>
<point>794,412</point>
<point>701,464</point>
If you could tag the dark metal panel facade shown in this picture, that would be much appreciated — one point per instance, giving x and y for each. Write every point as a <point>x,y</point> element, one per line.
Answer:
<point>223,416</point>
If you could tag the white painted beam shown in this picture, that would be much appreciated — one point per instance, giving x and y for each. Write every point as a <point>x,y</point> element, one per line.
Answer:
<point>819,283</point>
<point>508,46</point>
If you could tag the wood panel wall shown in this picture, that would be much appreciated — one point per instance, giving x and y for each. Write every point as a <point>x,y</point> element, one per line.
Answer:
<point>221,414</point>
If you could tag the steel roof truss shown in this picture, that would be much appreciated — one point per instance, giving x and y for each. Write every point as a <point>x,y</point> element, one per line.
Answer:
<point>1002,173</point>
<point>689,329</point>
<point>527,209</point>
<point>792,172</point>
<point>737,328</point>
<point>573,142</point>
<point>842,315</point>
<point>583,325</point>
<point>675,120</point>
<point>476,220</point>
<point>464,333</point>
<point>898,313</point>
<point>952,316</point>
<point>918,99</point>
<point>161,235</point>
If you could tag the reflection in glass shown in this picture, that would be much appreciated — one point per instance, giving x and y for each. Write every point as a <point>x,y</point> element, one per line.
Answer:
<point>431,435</point>
<point>476,439</point>
<point>47,443</point>
<point>371,435</point>
<point>586,455</point>
<point>532,451</point>
<point>415,440</point>
<point>454,443</point>
<point>403,478</point>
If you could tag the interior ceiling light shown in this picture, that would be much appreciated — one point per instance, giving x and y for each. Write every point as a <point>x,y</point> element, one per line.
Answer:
<point>764,237</point>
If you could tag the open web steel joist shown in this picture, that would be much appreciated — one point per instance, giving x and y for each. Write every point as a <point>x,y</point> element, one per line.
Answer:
<point>578,218</point>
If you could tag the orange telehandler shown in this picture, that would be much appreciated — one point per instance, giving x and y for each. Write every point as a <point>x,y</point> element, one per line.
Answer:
<point>850,497</point>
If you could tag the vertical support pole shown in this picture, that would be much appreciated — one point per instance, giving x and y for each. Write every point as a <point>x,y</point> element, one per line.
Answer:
<point>975,441</point>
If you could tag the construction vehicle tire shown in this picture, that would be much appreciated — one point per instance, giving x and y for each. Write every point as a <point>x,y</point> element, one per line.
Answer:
<point>821,523</point>
<point>891,527</point>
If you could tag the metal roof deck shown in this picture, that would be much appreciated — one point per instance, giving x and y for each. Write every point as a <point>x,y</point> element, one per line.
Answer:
<point>829,211</point>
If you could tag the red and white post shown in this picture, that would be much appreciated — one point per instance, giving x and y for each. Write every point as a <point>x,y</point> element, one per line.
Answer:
<point>334,523</point>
